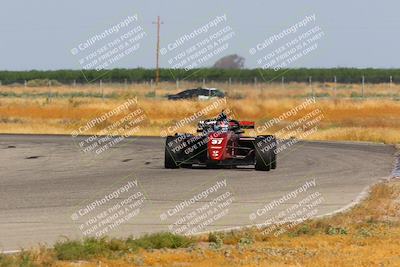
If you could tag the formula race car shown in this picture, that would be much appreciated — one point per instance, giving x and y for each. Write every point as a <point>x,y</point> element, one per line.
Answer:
<point>220,142</point>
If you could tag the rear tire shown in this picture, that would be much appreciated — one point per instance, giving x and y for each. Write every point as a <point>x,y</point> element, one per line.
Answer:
<point>169,159</point>
<point>264,153</point>
<point>274,152</point>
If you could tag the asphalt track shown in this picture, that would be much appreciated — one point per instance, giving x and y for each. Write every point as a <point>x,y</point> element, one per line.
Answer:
<point>46,182</point>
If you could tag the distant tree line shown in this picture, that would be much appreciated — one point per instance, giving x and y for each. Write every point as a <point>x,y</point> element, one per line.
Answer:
<point>343,75</point>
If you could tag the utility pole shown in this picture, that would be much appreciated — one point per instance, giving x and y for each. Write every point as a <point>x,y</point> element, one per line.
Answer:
<point>362,88</point>
<point>102,90</point>
<point>334,88</point>
<point>158,22</point>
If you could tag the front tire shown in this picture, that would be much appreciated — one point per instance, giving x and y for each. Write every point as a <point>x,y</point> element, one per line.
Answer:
<point>274,152</point>
<point>169,159</point>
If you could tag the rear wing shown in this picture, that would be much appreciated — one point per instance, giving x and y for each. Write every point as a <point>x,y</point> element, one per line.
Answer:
<point>246,124</point>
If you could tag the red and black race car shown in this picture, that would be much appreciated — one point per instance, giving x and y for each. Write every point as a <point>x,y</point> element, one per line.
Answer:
<point>221,143</point>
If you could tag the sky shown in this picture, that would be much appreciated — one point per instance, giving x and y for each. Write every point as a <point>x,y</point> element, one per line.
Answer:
<point>42,34</point>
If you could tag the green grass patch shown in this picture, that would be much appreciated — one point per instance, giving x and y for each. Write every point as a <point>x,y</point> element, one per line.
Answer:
<point>336,231</point>
<point>90,248</point>
<point>6,260</point>
<point>160,240</point>
<point>27,259</point>
<point>303,229</point>
<point>151,94</point>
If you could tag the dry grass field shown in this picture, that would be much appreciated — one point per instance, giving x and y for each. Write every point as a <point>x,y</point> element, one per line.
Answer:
<point>367,235</point>
<point>346,115</point>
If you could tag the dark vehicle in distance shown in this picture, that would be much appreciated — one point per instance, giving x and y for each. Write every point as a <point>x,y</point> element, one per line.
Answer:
<point>199,93</point>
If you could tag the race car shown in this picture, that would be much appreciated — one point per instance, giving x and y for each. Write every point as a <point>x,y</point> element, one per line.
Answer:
<point>220,142</point>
